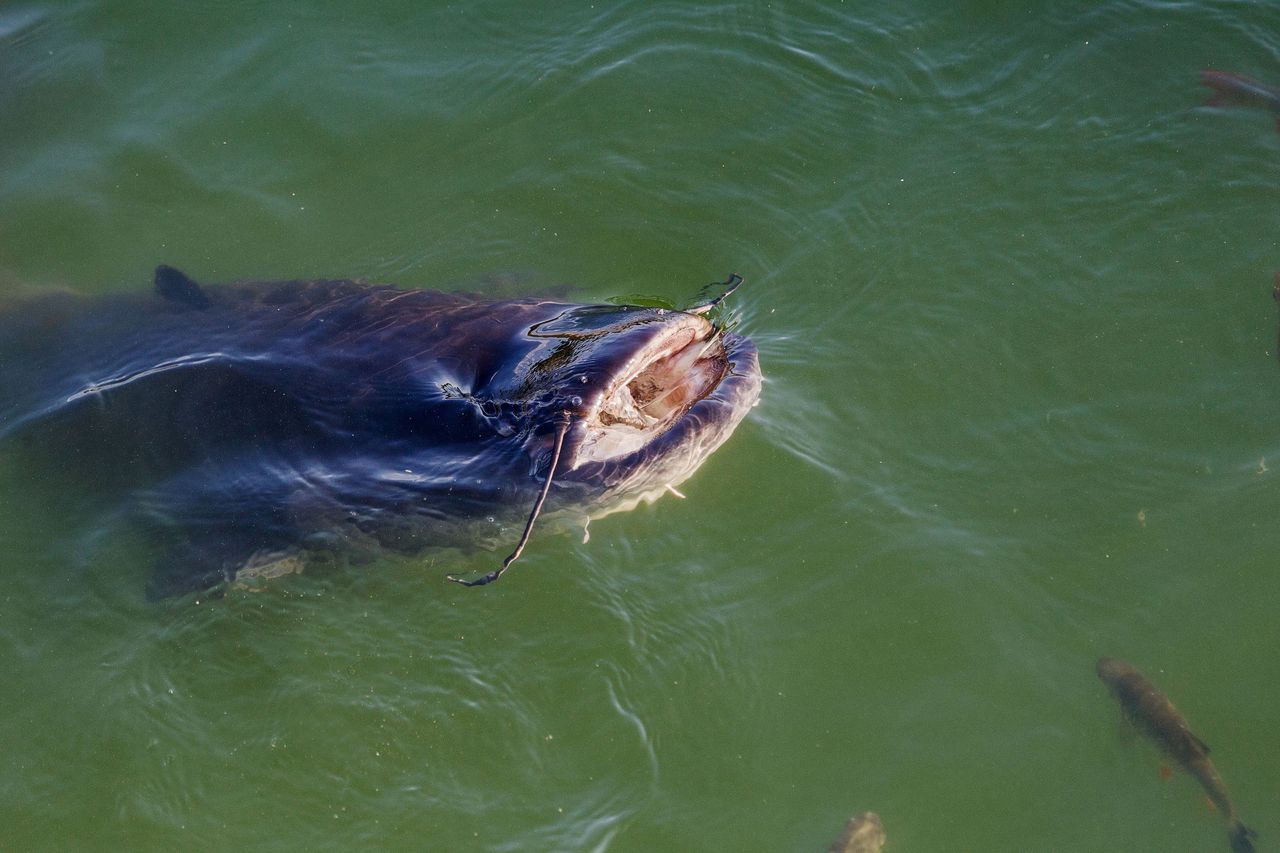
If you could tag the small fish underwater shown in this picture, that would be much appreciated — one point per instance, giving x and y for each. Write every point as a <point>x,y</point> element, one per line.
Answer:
<point>1151,710</point>
<point>243,427</point>
<point>863,833</point>
<point>1237,90</point>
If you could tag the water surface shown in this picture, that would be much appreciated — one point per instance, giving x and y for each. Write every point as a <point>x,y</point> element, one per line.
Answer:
<point>1011,284</point>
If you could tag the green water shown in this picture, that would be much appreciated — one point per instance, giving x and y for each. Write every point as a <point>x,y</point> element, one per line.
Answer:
<point>1011,284</point>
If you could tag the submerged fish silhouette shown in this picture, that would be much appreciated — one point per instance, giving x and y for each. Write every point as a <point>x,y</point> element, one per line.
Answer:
<point>247,424</point>
<point>1149,709</point>
<point>1237,90</point>
<point>863,833</point>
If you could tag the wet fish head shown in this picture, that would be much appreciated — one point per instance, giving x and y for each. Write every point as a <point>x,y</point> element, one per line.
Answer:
<point>644,395</point>
<point>1123,679</point>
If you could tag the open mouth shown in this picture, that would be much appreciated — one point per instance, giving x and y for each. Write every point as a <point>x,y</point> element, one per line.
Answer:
<point>686,376</point>
<point>655,387</point>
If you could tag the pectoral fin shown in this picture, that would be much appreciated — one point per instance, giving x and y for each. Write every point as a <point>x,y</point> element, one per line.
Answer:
<point>208,559</point>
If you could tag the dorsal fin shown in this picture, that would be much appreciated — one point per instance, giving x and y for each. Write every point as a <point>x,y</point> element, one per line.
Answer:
<point>175,286</point>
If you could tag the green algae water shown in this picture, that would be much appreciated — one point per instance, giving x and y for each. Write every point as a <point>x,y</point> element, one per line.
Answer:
<point>1011,283</point>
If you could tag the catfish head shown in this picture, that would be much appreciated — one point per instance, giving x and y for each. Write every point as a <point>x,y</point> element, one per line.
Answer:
<point>614,405</point>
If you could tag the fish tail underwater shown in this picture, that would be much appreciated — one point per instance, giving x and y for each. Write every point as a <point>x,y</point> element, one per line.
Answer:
<point>1242,838</point>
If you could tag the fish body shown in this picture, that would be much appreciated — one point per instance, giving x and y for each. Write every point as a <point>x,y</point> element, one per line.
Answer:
<point>864,833</point>
<point>1236,89</point>
<point>1154,713</point>
<point>265,418</point>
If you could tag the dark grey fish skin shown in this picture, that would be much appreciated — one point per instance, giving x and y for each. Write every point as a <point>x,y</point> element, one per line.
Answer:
<point>236,422</point>
<point>1230,88</point>
<point>864,833</point>
<point>1151,710</point>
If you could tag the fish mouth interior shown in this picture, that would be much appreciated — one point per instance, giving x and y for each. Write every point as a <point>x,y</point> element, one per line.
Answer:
<point>654,390</point>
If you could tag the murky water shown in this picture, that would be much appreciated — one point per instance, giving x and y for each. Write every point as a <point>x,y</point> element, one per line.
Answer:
<point>1011,283</point>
